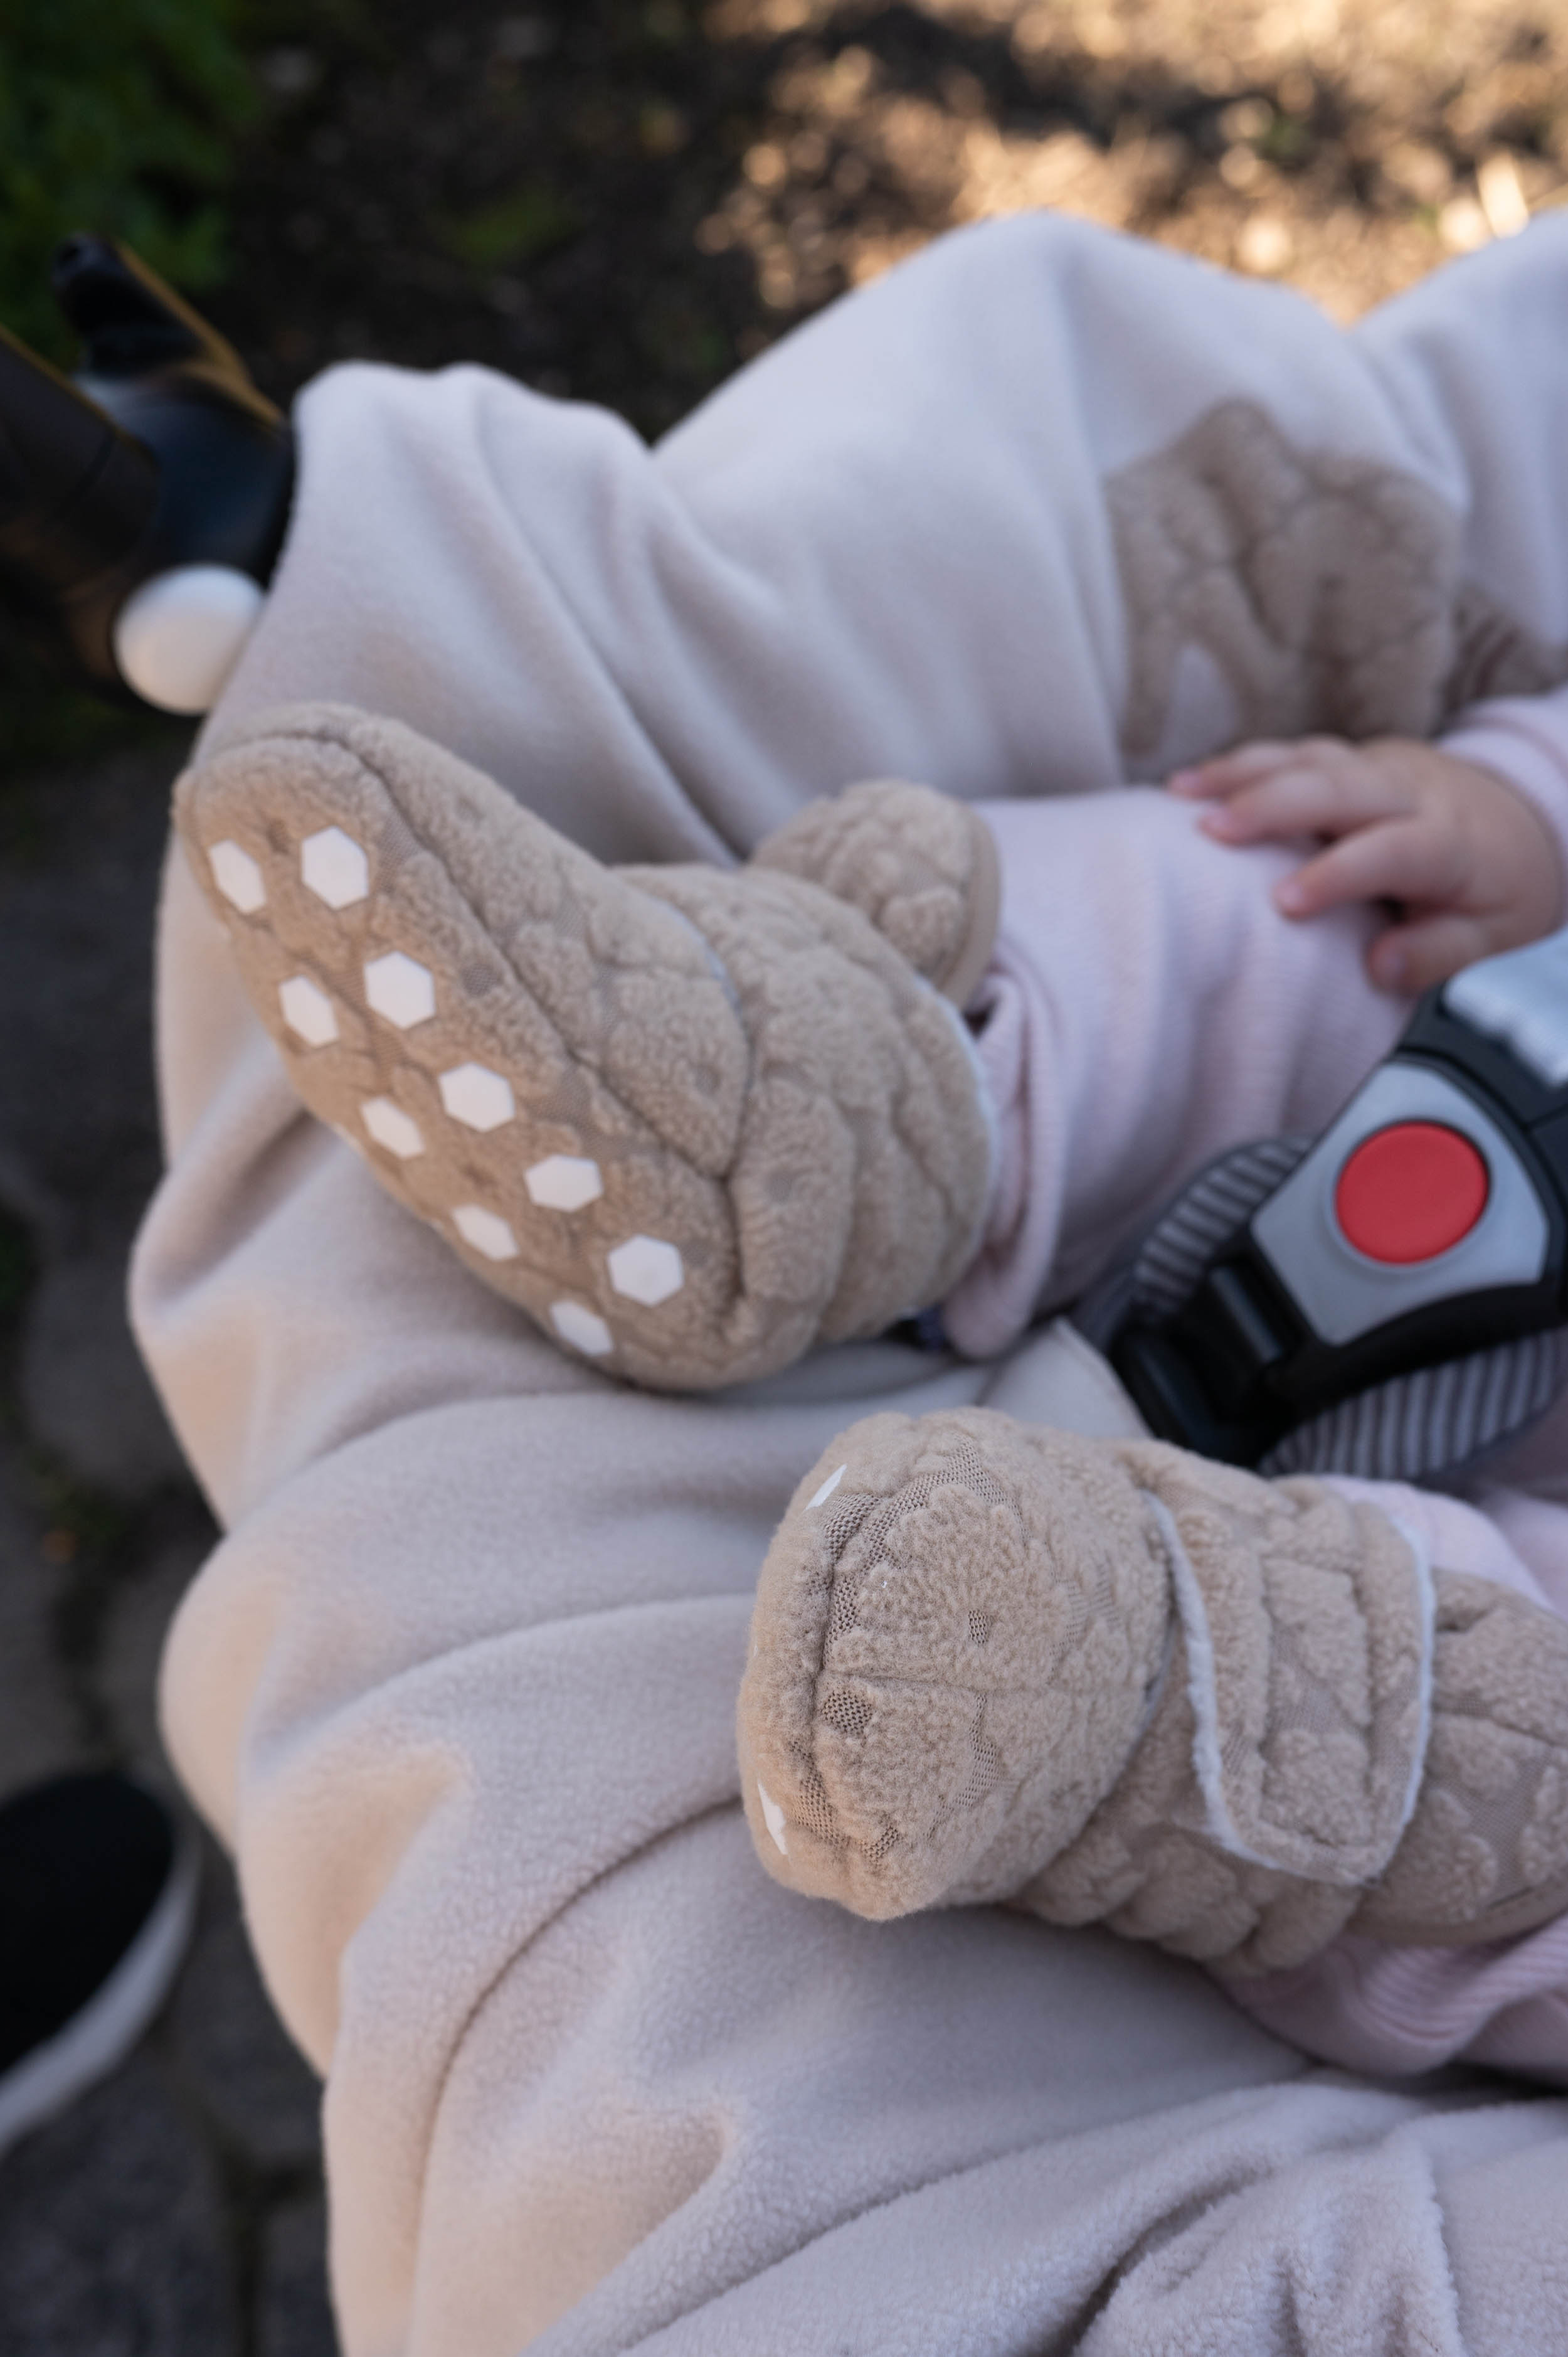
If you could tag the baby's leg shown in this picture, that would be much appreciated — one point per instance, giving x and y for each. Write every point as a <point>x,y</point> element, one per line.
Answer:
<point>692,1120</point>
<point>1113,1682</point>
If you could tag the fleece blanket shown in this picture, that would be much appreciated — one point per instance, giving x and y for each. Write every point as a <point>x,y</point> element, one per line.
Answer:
<point>1041,512</point>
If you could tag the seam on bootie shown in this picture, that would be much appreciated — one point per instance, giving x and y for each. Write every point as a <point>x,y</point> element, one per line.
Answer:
<point>989,1121</point>
<point>1202,1688</point>
<point>1208,1744</point>
<point>1421,1556</point>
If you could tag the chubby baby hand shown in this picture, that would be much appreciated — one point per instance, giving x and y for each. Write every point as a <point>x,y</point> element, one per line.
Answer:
<point>1469,866</point>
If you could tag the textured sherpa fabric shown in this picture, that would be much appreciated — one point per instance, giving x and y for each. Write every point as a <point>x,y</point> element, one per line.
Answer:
<point>1325,586</point>
<point>1486,1855</point>
<point>693,1120</point>
<point>1115,1684</point>
<point>458,1687</point>
<point>1106,1680</point>
<point>958,1632</point>
<point>922,867</point>
<point>1281,1765</point>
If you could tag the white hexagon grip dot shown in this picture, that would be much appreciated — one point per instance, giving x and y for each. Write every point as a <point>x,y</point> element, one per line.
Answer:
<point>476,1097</point>
<point>307,1011</point>
<point>486,1231</point>
<point>238,878</point>
<point>564,1182</point>
<point>400,989</point>
<point>773,1818</point>
<point>585,1329</point>
<point>334,867</point>
<point>392,1127</point>
<point>647,1269</point>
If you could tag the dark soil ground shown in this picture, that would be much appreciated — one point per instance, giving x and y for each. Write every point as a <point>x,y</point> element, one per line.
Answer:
<point>620,203</point>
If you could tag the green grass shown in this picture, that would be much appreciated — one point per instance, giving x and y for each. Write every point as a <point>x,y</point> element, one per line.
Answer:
<point>529,221</point>
<point>116,115</point>
<point>119,116</point>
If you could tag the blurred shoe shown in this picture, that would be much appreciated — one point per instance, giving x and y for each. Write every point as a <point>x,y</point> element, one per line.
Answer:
<point>97,1898</point>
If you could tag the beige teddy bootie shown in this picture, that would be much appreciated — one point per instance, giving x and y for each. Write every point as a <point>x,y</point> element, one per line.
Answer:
<point>692,1121</point>
<point>1113,1682</point>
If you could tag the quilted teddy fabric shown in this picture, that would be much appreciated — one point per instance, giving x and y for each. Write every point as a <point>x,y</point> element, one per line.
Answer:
<point>459,1685</point>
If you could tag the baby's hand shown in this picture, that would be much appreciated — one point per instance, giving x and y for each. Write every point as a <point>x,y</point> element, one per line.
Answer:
<point>1469,865</point>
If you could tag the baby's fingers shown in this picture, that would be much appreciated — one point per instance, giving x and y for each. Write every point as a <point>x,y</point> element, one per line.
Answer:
<point>1402,859</point>
<point>1254,764</point>
<point>1332,796</point>
<point>1412,957</point>
<point>1227,773</point>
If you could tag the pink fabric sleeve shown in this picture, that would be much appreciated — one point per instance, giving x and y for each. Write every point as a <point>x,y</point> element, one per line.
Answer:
<point>1146,1007</point>
<point>1398,2011</point>
<point>1525,739</point>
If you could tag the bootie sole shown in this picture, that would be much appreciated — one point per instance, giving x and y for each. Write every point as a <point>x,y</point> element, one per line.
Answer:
<point>940,1690</point>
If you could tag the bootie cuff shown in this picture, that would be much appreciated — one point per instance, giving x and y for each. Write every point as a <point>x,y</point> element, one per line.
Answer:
<point>1283,1763</point>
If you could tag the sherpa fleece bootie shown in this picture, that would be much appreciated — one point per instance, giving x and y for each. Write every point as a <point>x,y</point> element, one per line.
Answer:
<point>692,1121</point>
<point>1113,1682</point>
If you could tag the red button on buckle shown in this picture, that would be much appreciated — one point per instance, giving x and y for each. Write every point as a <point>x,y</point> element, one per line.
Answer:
<point>1411,1191</point>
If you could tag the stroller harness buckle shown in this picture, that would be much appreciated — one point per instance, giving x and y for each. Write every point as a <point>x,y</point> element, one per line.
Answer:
<point>1424,1234</point>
